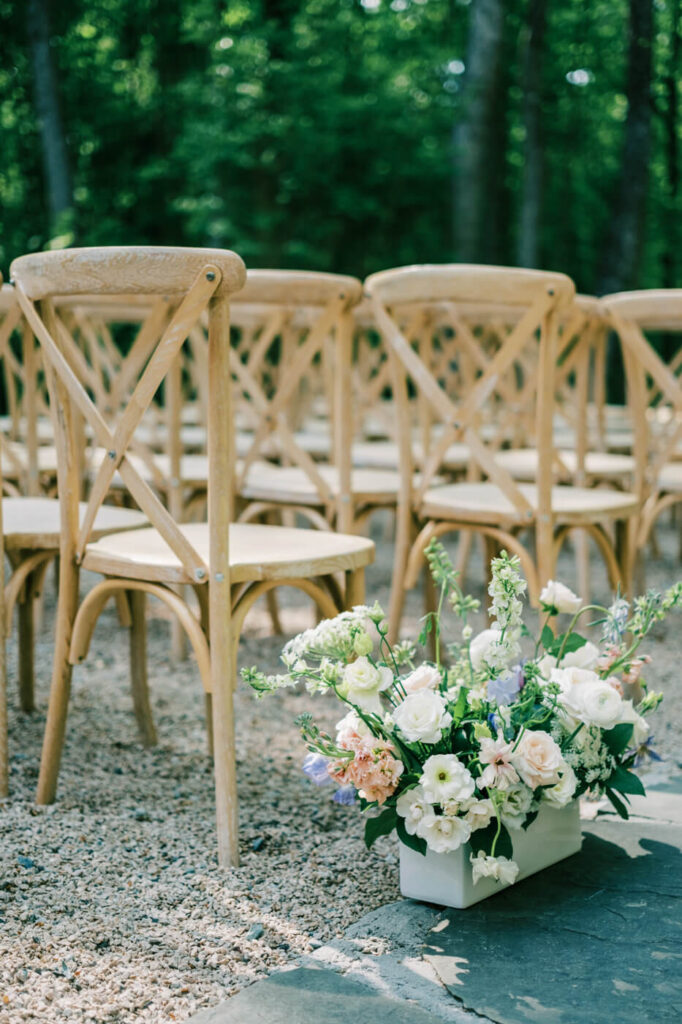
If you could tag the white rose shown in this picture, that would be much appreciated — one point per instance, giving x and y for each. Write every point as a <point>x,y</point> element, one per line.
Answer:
<point>479,813</point>
<point>362,684</point>
<point>517,804</point>
<point>537,759</point>
<point>413,806</point>
<point>444,778</point>
<point>562,793</point>
<point>422,716</point>
<point>480,646</point>
<point>443,834</point>
<point>425,677</point>
<point>594,703</point>
<point>556,595</point>
<point>500,868</point>
<point>640,733</point>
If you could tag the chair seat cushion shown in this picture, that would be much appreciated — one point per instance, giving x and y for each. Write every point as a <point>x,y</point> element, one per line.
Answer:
<point>267,482</point>
<point>257,552</point>
<point>522,463</point>
<point>485,502</point>
<point>33,523</point>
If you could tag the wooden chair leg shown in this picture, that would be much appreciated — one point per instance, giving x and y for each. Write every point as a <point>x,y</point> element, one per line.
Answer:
<point>466,538</point>
<point>355,588</point>
<point>179,646</point>
<point>401,553</point>
<point>60,688</point>
<point>137,601</point>
<point>224,666</point>
<point>582,557</point>
<point>122,609</point>
<point>25,614</point>
<point>208,706</point>
<point>430,605</point>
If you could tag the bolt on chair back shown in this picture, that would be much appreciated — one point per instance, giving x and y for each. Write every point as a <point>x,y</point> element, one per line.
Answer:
<point>227,566</point>
<point>520,365</point>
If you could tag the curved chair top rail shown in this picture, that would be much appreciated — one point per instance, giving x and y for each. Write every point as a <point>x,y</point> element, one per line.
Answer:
<point>297,287</point>
<point>133,269</point>
<point>466,282</point>
<point>656,309</point>
<point>7,296</point>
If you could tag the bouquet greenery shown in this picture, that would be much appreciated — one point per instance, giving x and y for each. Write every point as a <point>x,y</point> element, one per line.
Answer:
<point>469,752</point>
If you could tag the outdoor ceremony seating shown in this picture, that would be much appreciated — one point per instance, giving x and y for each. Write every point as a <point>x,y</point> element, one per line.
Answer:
<point>655,395</point>
<point>490,502</point>
<point>227,566</point>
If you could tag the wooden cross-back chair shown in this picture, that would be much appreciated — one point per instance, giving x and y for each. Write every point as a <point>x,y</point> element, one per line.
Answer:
<point>490,501</point>
<point>655,395</point>
<point>306,334</point>
<point>227,566</point>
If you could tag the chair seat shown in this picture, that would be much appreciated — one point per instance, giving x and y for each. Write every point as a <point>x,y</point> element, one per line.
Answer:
<point>33,523</point>
<point>486,503</point>
<point>15,461</point>
<point>522,463</point>
<point>670,477</point>
<point>256,553</point>
<point>267,482</point>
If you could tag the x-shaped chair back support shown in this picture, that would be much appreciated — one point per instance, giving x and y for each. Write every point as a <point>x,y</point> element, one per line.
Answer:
<point>198,280</point>
<point>299,334</point>
<point>537,297</point>
<point>654,386</point>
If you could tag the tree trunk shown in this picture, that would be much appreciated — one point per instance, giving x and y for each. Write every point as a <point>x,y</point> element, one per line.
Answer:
<point>672,150</point>
<point>624,245</point>
<point>531,188</point>
<point>476,129</point>
<point>55,159</point>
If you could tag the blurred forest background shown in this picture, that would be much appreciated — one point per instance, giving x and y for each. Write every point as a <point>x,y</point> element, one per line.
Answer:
<point>349,135</point>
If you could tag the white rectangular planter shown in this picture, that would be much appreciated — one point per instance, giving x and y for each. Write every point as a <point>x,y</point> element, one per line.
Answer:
<point>446,878</point>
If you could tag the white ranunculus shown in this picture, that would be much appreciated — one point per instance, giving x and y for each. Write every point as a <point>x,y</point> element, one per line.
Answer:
<point>594,703</point>
<point>362,683</point>
<point>500,868</point>
<point>572,676</point>
<point>562,793</point>
<point>444,778</point>
<point>517,804</point>
<point>480,646</point>
<point>413,806</point>
<point>557,595</point>
<point>443,834</point>
<point>422,716</point>
<point>537,758</point>
<point>479,813</point>
<point>640,733</point>
<point>425,677</point>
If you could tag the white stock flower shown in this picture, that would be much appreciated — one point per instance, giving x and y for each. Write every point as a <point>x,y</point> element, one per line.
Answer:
<point>537,758</point>
<point>442,833</point>
<point>562,793</point>
<point>445,778</point>
<point>557,595</point>
<point>422,716</point>
<point>424,677</point>
<point>500,868</point>
<point>413,806</point>
<point>516,805</point>
<point>362,683</point>
<point>351,724</point>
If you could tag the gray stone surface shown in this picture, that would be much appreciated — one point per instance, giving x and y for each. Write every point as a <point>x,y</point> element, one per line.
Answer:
<point>305,996</point>
<point>596,939</point>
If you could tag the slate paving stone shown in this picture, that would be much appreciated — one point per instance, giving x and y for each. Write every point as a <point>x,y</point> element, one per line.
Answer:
<point>305,996</point>
<point>596,939</point>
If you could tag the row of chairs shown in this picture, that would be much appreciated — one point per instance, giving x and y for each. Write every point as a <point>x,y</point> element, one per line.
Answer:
<point>470,399</point>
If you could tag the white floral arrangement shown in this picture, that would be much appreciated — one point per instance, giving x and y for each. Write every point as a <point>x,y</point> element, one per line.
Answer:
<point>469,752</point>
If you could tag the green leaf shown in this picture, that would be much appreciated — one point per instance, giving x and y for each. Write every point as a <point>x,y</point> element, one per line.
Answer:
<point>415,843</point>
<point>626,782</point>
<point>547,637</point>
<point>529,820</point>
<point>617,739</point>
<point>570,643</point>
<point>380,826</point>
<point>617,803</point>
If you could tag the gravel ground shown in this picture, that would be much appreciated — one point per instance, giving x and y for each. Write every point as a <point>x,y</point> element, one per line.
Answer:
<point>112,907</point>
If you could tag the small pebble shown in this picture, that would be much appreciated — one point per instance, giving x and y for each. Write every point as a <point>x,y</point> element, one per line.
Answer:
<point>255,931</point>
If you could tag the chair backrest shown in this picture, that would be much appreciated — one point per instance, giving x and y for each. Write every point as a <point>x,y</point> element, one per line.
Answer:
<point>654,383</point>
<point>193,281</point>
<point>509,366</point>
<point>295,345</point>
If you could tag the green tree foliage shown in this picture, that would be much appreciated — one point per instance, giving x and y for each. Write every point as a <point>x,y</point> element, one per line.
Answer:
<point>318,133</point>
